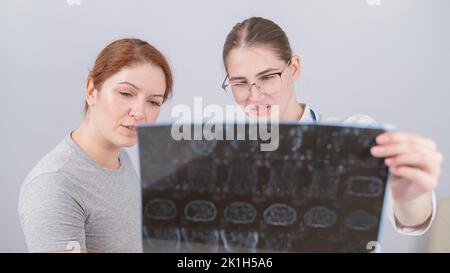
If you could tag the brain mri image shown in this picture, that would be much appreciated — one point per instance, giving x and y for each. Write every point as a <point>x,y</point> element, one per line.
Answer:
<point>319,191</point>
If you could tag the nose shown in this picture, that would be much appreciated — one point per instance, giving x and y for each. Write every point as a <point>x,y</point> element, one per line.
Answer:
<point>255,93</point>
<point>137,111</point>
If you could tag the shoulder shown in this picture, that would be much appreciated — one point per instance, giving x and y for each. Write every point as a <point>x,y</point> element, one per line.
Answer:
<point>50,189</point>
<point>53,161</point>
<point>46,180</point>
<point>359,119</point>
<point>51,213</point>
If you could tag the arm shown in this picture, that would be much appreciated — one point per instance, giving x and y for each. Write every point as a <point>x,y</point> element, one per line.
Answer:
<point>51,215</point>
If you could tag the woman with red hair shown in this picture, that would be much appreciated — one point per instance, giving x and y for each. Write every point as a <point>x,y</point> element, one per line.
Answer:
<point>85,192</point>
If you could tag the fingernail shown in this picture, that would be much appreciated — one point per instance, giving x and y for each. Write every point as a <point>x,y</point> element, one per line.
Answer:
<point>388,161</point>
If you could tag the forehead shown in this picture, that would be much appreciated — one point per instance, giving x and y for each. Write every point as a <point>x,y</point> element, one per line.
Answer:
<point>249,61</point>
<point>147,77</point>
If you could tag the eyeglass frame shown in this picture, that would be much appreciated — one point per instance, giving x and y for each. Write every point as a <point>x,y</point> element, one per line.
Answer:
<point>224,86</point>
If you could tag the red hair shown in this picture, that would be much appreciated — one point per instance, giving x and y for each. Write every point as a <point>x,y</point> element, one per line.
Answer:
<point>126,52</point>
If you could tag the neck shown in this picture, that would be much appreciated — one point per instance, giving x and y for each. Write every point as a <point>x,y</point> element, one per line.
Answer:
<point>96,147</point>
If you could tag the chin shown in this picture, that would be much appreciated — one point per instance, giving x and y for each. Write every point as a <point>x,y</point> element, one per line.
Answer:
<point>126,142</point>
<point>129,143</point>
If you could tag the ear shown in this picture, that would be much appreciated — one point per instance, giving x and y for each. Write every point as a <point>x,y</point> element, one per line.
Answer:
<point>91,92</point>
<point>295,67</point>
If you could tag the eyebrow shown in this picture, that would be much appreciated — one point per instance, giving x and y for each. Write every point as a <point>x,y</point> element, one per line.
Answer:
<point>152,96</point>
<point>129,84</point>
<point>257,75</point>
<point>157,95</point>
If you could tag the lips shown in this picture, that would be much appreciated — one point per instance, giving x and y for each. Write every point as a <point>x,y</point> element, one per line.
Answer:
<point>131,130</point>
<point>131,127</point>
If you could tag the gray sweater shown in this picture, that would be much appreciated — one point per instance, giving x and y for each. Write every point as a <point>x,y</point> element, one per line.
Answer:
<point>68,201</point>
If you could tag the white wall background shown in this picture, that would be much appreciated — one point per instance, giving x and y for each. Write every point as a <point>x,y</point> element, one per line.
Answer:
<point>391,61</point>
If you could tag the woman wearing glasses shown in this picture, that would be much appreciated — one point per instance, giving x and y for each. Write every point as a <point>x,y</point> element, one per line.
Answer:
<point>85,194</point>
<point>261,71</point>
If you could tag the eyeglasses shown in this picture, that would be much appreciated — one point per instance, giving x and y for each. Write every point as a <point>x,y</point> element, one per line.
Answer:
<point>267,85</point>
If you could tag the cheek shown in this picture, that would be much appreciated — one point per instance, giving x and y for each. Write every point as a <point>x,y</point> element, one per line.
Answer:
<point>153,114</point>
<point>111,109</point>
<point>285,93</point>
<point>280,99</point>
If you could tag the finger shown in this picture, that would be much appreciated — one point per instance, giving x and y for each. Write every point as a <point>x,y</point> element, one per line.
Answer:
<point>429,163</point>
<point>397,137</point>
<point>397,149</point>
<point>415,175</point>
